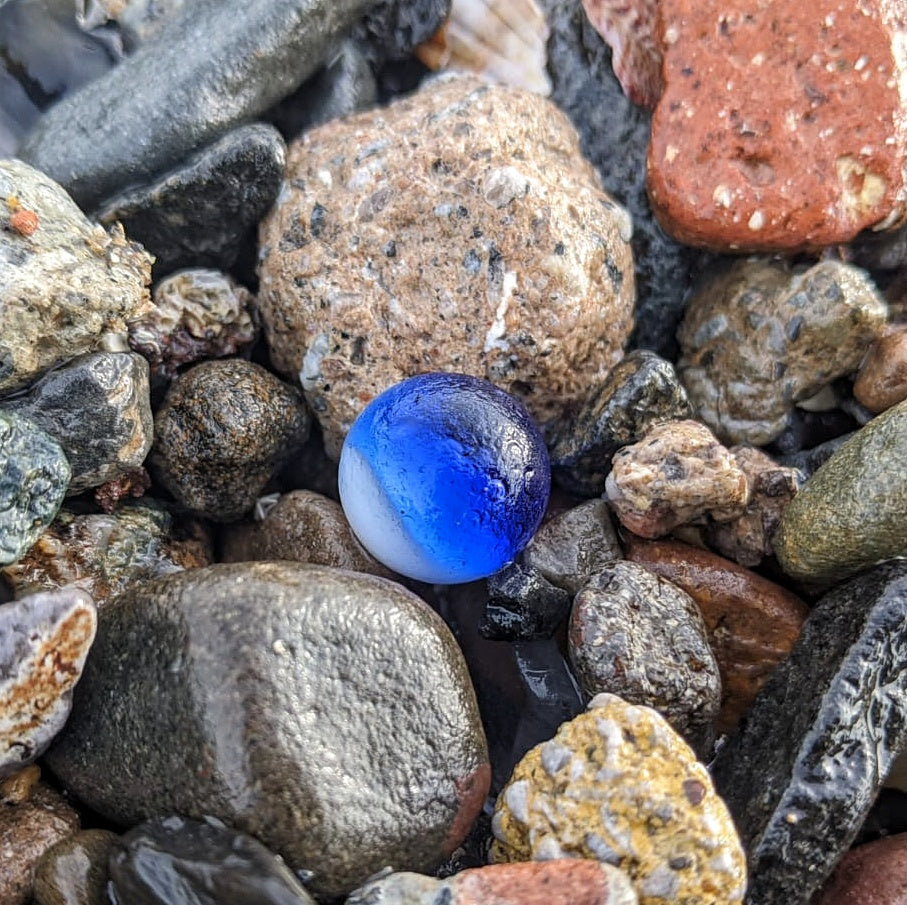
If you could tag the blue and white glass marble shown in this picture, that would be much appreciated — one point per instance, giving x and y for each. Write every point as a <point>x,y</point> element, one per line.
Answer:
<point>444,478</point>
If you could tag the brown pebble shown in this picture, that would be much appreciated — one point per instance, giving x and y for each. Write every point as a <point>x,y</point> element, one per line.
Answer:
<point>74,870</point>
<point>752,622</point>
<point>882,379</point>
<point>873,874</point>
<point>19,786</point>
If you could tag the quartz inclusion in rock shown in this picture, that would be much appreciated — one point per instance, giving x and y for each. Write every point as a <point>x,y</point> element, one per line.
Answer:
<point>444,478</point>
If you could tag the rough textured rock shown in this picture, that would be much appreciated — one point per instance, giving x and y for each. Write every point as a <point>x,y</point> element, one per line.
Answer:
<point>27,830</point>
<point>224,429</point>
<point>802,773</point>
<point>637,635</point>
<point>752,623</point>
<point>104,553</point>
<point>198,214</point>
<point>44,640</point>
<point>585,88</point>
<point>301,526</point>
<point>325,712</point>
<point>677,473</point>
<point>748,539</point>
<point>758,338</point>
<point>34,475</point>
<point>172,859</point>
<point>639,392</point>
<point>98,408</point>
<point>561,882</point>
<point>211,67</point>
<point>882,378</point>
<point>617,784</point>
<point>74,870</point>
<point>781,132</point>
<point>873,874</point>
<point>64,284</point>
<point>850,513</point>
<point>196,314</point>
<point>534,287</point>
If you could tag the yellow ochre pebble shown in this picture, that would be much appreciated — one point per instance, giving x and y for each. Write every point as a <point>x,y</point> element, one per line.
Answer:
<point>617,784</point>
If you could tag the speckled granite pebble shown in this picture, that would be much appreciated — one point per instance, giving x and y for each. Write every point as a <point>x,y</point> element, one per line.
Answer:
<point>850,513</point>
<point>325,712</point>
<point>224,429</point>
<point>758,338</point>
<point>44,640</point>
<point>34,476</point>
<point>74,870</point>
<point>800,795</point>
<point>566,881</point>
<point>65,284</point>
<point>98,408</point>
<point>478,192</point>
<point>617,784</point>
<point>677,473</point>
<point>638,636</point>
<point>640,391</point>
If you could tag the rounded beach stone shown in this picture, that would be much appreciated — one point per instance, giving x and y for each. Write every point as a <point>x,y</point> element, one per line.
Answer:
<point>74,870</point>
<point>224,429</point>
<point>171,860</point>
<point>872,874</point>
<point>34,475</point>
<point>618,785</point>
<point>677,473</point>
<point>327,713</point>
<point>459,229</point>
<point>64,284</point>
<point>759,337</point>
<point>636,635</point>
<point>850,513</point>
<point>882,379</point>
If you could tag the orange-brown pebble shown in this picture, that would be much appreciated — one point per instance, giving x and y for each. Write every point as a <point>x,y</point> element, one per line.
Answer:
<point>873,874</point>
<point>19,786</point>
<point>882,379</point>
<point>752,622</point>
<point>23,221</point>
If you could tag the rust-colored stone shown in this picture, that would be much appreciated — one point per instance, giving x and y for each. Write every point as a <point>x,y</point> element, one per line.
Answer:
<point>882,380</point>
<point>873,874</point>
<point>781,126</point>
<point>752,622</point>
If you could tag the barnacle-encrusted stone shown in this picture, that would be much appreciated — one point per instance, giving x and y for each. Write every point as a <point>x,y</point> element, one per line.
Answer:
<point>619,785</point>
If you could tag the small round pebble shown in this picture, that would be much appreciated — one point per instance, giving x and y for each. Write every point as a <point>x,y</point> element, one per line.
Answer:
<point>444,478</point>
<point>617,784</point>
<point>74,871</point>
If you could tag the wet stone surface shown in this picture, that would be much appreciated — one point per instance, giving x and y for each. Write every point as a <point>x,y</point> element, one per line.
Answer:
<point>799,797</point>
<point>882,379</point>
<point>74,870</point>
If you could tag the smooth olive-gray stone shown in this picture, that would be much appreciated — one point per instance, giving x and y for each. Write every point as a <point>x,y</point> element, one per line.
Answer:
<point>327,713</point>
<point>215,65</point>
<point>803,771</point>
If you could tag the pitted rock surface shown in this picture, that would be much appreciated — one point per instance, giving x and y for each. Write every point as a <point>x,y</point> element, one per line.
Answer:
<point>799,796</point>
<point>327,713</point>
<point>618,785</point>
<point>63,284</point>
<point>456,230</point>
<point>759,337</point>
<point>781,125</point>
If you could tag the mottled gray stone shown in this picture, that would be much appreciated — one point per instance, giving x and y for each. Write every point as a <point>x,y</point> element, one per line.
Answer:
<point>34,475</point>
<point>640,391</point>
<point>328,713</point>
<point>759,336</point>
<point>98,408</point>
<point>635,634</point>
<point>224,429</point>
<point>851,513</point>
<point>802,773</point>
<point>172,860</point>
<point>44,640</point>
<point>74,870</point>
<point>64,281</point>
<point>392,28</point>
<point>199,213</point>
<point>213,66</point>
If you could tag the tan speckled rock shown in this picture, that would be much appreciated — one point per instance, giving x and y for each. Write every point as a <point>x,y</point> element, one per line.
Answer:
<point>459,229</point>
<point>677,473</point>
<point>850,513</point>
<point>617,784</point>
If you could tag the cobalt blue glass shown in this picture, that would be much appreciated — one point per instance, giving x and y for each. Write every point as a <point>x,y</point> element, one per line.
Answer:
<point>444,478</point>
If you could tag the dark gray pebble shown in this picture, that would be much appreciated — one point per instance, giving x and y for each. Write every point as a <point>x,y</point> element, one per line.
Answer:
<point>523,604</point>
<point>392,28</point>
<point>803,772</point>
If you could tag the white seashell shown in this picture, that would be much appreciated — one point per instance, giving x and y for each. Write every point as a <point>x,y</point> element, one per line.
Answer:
<point>504,40</point>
